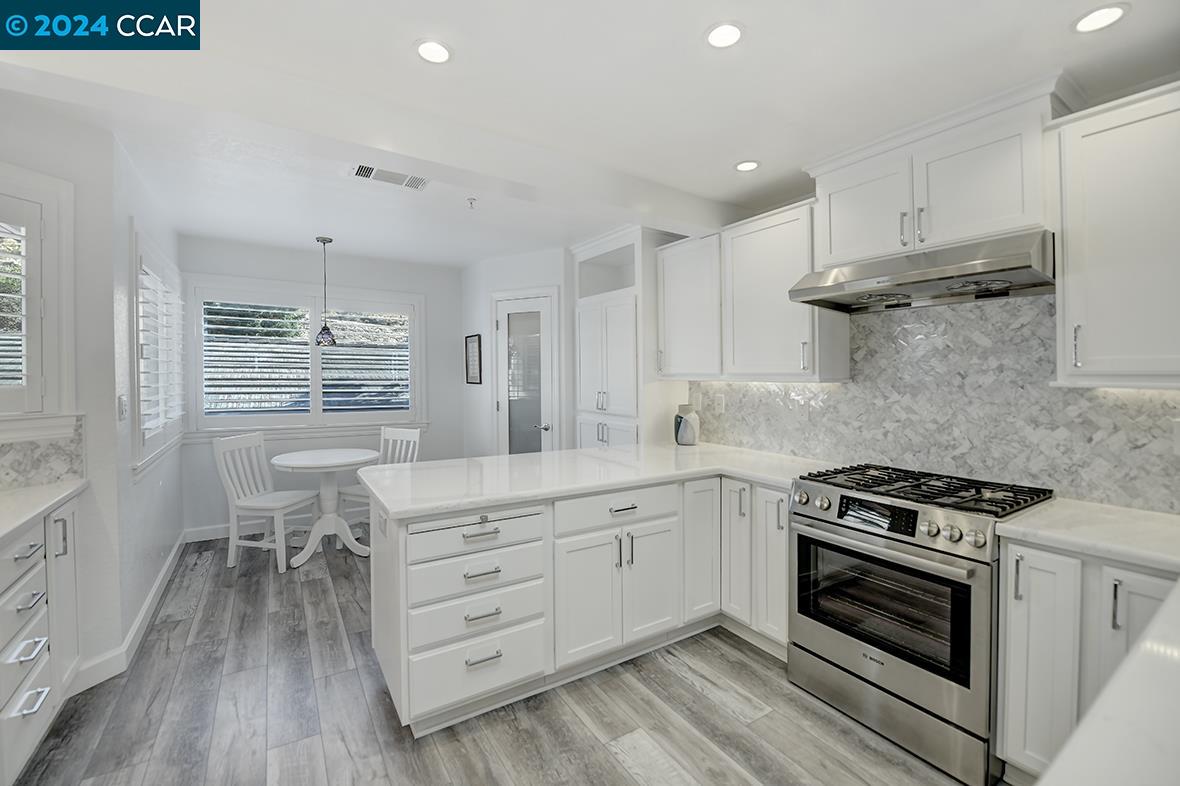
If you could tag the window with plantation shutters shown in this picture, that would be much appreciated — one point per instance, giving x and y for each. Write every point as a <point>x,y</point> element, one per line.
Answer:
<point>369,368</point>
<point>160,332</point>
<point>256,359</point>
<point>20,305</point>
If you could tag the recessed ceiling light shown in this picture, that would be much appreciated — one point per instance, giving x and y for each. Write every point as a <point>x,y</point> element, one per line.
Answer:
<point>723,35</point>
<point>1101,17</point>
<point>433,52</point>
<point>746,166</point>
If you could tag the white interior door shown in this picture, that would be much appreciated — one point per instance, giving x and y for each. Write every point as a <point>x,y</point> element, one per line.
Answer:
<point>526,376</point>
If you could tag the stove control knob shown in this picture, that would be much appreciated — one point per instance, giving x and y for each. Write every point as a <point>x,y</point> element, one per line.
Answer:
<point>952,533</point>
<point>823,503</point>
<point>801,497</point>
<point>977,538</point>
<point>929,528</point>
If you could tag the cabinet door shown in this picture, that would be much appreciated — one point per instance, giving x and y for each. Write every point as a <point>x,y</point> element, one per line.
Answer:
<point>701,533</point>
<point>1129,601</point>
<point>981,179</point>
<point>63,591</point>
<point>1119,194</point>
<point>651,578</point>
<point>770,563</point>
<point>620,433</point>
<point>1043,612</point>
<point>620,358</point>
<point>765,334</point>
<point>690,308</point>
<point>864,210</point>
<point>736,550</point>
<point>589,333</point>
<point>588,603</point>
<point>589,433</point>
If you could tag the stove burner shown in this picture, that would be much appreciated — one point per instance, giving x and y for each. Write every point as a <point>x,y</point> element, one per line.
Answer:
<point>944,491</point>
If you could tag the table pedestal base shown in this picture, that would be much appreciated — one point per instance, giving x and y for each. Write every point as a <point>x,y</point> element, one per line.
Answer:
<point>330,523</point>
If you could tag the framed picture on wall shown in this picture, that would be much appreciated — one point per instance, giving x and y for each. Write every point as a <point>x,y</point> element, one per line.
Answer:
<point>474,354</point>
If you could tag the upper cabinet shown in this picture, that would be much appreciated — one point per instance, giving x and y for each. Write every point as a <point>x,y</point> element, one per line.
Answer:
<point>690,308</point>
<point>1117,274</point>
<point>974,179</point>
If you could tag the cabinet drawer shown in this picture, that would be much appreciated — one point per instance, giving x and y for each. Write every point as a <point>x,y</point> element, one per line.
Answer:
<point>475,572</point>
<point>23,653</point>
<point>26,717</point>
<point>22,552</point>
<point>21,603</point>
<point>614,508</point>
<point>460,672</point>
<point>441,622</point>
<point>474,533</point>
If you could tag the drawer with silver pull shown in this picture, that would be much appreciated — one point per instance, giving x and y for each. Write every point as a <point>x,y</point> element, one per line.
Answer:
<point>614,508</point>
<point>476,614</point>
<point>21,552</point>
<point>455,674</point>
<point>26,717</point>
<point>21,654</point>
<point>22,602</point>
<point>476,532</point>
<point>469,573</point>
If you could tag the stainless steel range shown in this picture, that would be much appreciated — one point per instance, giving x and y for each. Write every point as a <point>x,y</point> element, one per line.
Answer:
<point>895,590</point>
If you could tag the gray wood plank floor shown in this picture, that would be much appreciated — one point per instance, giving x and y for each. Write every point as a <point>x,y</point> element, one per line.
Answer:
<point>248,677</point>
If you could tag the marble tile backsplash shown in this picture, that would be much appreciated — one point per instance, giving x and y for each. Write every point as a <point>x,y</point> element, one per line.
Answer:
<point>34,462</point>
<point>964,389</point>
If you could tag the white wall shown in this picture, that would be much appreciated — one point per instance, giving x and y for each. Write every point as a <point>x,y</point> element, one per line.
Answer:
<point>544,268</point>
<point>204,505</point>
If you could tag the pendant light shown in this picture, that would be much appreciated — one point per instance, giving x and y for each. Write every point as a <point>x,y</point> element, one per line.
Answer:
<point>325,338</point>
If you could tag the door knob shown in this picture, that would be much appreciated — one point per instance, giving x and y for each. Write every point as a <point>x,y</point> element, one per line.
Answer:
<point>542,426</point>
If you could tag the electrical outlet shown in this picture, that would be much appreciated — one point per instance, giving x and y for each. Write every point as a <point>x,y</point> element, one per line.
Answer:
<point>121,406</point>
<point>719,403</point>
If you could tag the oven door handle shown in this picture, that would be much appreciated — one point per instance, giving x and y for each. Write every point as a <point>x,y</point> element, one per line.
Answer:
<point>937,568</point>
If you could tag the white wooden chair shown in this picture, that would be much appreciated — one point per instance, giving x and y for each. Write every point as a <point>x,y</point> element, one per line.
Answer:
<point>250,491</point>
<point>398,446</point>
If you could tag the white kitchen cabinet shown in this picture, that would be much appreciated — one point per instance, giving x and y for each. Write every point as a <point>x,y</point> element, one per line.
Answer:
<point>770,563</point>
<point>765,335</point>
<point>61,565</point>
<point>607,356</point>
<point>1129,601</point>
<point>737,544</point>
<point>688,276</point>
<point>1118,276</point>
<point>651,578</point>
<point>599,432</point>
<point>1042,602</point>
<point>701,535</point>
<point>588,608</point>
<point>974,179</point>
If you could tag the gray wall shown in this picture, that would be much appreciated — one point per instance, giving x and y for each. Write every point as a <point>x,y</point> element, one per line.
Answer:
<point>964,389</point>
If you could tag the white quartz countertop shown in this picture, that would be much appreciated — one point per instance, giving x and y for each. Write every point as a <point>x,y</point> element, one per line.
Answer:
<point>19,506</point>
<point>436,487</point>
<point>1140,537</point>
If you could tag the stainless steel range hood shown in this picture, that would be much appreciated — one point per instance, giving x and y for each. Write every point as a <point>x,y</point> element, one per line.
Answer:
<point>1020,264</point>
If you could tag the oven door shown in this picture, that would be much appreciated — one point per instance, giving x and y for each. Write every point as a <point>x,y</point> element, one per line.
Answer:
<point>912,621</point>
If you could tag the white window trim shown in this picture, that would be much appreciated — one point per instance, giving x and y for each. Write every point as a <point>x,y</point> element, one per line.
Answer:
<point>56,198</point>
<point>202,287</point>
<point>147,254</point>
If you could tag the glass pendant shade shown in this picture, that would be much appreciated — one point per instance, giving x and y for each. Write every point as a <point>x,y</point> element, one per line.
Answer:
<point>325,338</point>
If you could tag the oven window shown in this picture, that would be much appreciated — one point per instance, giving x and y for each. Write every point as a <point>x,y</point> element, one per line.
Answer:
<point>918,617</point>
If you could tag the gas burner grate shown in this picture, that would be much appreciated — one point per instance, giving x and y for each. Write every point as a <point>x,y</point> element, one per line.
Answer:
<point>944,491</point>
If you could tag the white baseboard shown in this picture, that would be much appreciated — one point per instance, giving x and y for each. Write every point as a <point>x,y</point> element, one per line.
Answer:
<point>116,661</point>
<point>218,531</point>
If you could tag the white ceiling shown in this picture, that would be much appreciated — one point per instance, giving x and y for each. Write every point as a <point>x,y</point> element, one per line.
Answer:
<point>614,106</point>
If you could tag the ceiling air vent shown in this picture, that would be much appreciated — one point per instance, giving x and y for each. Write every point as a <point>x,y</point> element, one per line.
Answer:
<point>413,182</point>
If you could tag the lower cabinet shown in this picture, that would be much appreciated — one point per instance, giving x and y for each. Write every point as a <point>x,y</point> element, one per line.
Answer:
<point>701,534</point>
<point>1129,601</point>
<point>63,582</point>
<point>770,563</point>
<point>737,551</point>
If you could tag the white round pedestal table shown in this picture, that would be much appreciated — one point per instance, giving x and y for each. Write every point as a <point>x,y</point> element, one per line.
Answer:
<point>327,463</point>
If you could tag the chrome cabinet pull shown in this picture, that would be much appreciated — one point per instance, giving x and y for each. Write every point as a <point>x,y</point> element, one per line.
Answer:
<point>496,612</point>
<point>34,599</point>
<point>1077,360</point>
<point>490,572</point>
<point>28,553</point>
<point>485,659</point>
<point>803,355</point>
<point>605,400</point>
<point>65,538</point>
<point>918,225</point>
<point>38,645</point>
<point>1016,579</point>
<point>779,513</point>
<point>619,543</point>
<point>41,693</point>
<point>1114,606</point>
<point>491,533</point>
<point>901,226</point>
<point>659,360</point>
<point>742,502</point>
<point>624,509</point>
<point>606,435</point>
<point>631,545</point>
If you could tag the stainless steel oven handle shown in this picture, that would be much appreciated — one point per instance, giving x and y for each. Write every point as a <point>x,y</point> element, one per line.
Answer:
<point>937,568</point>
